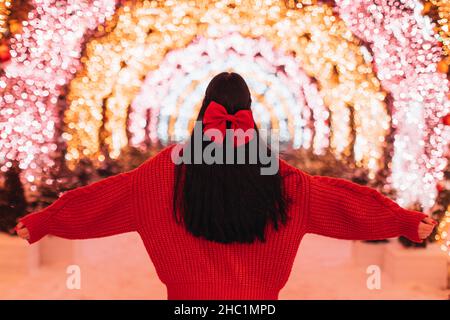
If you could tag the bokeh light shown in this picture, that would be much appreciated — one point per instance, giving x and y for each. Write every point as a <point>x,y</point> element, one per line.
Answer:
<point>87,79</point>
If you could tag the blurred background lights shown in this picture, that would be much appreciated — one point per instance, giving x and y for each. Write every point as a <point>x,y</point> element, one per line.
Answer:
<point>363,80</point>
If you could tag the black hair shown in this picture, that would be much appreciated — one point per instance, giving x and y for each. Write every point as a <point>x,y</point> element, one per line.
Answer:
<point>227,202</point>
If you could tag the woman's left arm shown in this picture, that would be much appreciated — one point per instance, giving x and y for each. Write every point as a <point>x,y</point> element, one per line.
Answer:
<point>101,209</point>
<point>342,209</point>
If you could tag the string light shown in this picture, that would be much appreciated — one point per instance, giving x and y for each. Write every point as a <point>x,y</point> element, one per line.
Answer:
<point>443,21</point>
<point>443,230</point>
<point>401,45</point>
<point>405,54</point>
<point>44,57</point>
<point>115,65</point>
<point>5,6</point>
<point>277,84</point>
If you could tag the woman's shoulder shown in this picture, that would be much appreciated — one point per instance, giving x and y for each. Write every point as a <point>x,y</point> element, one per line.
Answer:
<point>292,176</point>
<point>159,161</point>
<point>165,155</point>
<point>287,170</point>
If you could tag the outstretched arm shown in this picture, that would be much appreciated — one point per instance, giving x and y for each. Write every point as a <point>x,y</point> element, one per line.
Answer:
<point>345,210</point>
<point>101,209</point>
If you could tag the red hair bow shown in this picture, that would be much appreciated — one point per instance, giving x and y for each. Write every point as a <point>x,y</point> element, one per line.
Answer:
<point>216,117</point>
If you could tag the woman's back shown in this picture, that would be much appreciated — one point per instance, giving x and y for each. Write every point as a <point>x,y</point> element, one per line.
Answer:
<point>192,267</point>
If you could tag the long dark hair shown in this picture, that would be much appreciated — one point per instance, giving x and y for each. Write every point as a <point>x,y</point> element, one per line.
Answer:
<point>228,202</point>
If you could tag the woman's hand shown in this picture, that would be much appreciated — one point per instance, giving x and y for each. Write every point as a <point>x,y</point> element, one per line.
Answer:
<point>22,231</point>
<point>426,226</point>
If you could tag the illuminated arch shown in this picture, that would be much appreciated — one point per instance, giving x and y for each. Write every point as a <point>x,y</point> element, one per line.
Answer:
<point>406,60</point>
<point>184,77</point>
<point>145,32</point>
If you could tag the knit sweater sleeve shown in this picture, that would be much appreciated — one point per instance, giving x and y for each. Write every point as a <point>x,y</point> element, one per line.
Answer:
<point>101,209</point>
<point>342,209</point>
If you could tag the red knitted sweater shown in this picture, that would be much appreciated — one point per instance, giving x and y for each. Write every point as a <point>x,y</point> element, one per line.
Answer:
<point>193,268</point>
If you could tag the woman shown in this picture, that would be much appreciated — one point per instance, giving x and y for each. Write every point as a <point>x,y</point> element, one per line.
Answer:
<point>223,230</point>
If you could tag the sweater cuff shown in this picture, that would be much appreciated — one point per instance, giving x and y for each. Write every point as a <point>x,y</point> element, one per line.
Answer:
<point>409,224</point>
<point>37,224</point>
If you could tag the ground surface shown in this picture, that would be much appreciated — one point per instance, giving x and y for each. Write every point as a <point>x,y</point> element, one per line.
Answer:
<point>118,268</point>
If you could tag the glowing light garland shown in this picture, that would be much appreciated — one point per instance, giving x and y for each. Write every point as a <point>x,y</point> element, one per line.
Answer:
<point>45,56</point>
<point>443,21</point>
<point>405,54</point>
<point>277,83</point>
<point>145,32</point>
<point>5,6</point>
<point>443,232</point>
